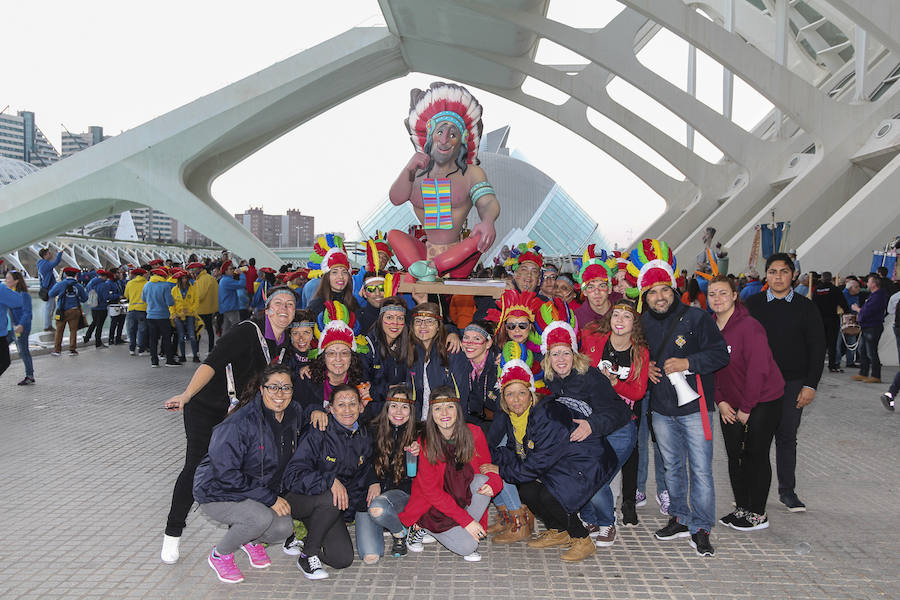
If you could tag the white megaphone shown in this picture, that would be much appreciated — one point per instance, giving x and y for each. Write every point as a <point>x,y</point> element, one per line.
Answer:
<point>684,391</point>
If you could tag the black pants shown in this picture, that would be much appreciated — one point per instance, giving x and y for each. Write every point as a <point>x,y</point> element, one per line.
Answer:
<point>786,437</point>
<point>630,468</point>
<point>832,326</point>
<point>5,359</point>
<point>326,532</point>
<point>748,455</point>
<point>160,329</point>
<point>209,326</point>
<point>198,425</point>
<point>98,318</point>
<point>548,509</point>
<point>116,324</point>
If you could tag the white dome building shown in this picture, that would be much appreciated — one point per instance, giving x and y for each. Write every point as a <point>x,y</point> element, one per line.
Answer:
<point>12,169</point>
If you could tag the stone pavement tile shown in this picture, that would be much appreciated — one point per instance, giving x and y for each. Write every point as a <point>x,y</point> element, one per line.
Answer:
<point>90,459</point>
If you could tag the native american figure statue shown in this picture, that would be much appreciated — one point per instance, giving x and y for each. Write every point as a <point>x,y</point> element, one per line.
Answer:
<point>443,182</point>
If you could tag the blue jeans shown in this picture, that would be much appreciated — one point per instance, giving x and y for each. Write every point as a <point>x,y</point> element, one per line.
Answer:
<point>601,509</point>
<point>509,495</point>
<point>49,308</point>
<point>369,539</point>
<point>186,328</point>
<point>25,353</point>
<point>644,445</point>
<point>868,351</point>
<point>136,326</point>
<point>682,443</point>
<point>843,350</point>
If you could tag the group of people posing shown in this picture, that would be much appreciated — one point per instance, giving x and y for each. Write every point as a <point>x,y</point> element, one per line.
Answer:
<point>298,425</point>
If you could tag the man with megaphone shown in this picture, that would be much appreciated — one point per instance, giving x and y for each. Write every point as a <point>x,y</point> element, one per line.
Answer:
<point>686,348</point>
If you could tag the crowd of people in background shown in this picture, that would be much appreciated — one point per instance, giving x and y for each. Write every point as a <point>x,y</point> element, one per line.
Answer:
<point>324,397</point>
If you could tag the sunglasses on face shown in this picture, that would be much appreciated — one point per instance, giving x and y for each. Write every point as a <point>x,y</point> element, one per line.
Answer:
<point>375,288</point>
<point>522,325</point>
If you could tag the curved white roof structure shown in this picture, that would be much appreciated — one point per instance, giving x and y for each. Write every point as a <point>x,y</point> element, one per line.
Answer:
<point>825,158</point>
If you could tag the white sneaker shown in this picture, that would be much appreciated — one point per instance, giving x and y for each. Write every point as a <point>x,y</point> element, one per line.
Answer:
<point>132,352</point>
<point>311,567</point>
<point>169,553</point>
<point>292,546</point>
<point>474,557</point>
<point>428,539</point>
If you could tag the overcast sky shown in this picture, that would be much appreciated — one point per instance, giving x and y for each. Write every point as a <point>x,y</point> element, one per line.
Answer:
<point>119,64</point>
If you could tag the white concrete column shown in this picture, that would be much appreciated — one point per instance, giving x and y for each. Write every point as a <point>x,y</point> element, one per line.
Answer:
<point>781,32</point>
<point>859,60</point>
<point>727,75</point>
<point>692,90</point>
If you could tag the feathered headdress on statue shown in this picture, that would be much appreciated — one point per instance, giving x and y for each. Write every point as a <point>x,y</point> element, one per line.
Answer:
<point>336,323</point>
<point>523,252</point>
<point>517,363</point>
<point>596,263</point>
<point>651,263</point>
<point>441,103</point>
<point>373,246</point>
<point>327,253</point>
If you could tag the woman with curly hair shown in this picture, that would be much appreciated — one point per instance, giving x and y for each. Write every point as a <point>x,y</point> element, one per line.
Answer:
<point>394,434</point>
<point>616,345</point>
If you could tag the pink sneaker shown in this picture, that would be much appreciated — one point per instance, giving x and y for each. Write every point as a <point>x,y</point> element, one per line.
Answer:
<point>224,566</point>
<point>259,559</point>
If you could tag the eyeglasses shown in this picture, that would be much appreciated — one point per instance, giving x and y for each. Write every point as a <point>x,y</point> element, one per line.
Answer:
<point>375,288</point>
<point>337,354</point>
<point>520,325</point>
<point>425,322</point>
<point>276,389</point>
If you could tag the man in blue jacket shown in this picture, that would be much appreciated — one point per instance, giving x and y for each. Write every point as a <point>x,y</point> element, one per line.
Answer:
<point>871,325</point>
<point>71,294</point>
<point>47,279</point>
<point>157,293</point>
<point>107,291</point>
<point>230,289</point>
<point>684,342</point>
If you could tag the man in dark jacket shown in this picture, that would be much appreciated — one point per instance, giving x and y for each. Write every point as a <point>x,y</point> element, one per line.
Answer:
<point>797,339</point>
<point>827,298</point>
<point>871,324</point>
<point>684,344</point>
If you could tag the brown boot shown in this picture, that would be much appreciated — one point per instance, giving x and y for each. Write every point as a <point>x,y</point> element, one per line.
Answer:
<point>580,549</point>
<point>518,530</point>
<point>529,518</point>
<point>502,523</point>
<point>552,538</point>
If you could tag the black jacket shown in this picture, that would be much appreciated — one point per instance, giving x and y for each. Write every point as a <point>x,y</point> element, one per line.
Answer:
<point>452,375</point>
<point>697,338</point>
<point>383,371</point>
<point>336,453</point>
<point>484,392</point>
<point>608,411</point>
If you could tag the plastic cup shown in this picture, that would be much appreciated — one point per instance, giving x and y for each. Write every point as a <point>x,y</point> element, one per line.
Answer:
<point>412,463</point>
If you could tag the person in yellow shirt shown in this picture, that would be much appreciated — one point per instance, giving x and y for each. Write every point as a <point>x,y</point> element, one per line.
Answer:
<point>207,292</point>
<point>184,313</point>
<point>136,318</point>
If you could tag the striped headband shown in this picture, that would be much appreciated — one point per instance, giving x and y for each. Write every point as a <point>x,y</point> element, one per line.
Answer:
<point>426,313</point>
<point>391,307</point>
<point>439,399</point>
<point>403,399</point>
<point>477,329</point>
<point>447,116</point>
<point>297,324</point>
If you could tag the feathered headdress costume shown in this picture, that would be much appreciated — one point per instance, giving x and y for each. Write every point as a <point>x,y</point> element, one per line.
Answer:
<point>596,263</point>
<point>522,304</point>
<point>523,252</point>
<point>517,363</point>
<point>651,263</point>
<point>336,323</point>
<point>327,253</point>
<point>373,246</point>
<point>441,103</point>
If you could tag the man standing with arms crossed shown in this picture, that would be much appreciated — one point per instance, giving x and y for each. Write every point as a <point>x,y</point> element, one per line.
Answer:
<point>797,339</point>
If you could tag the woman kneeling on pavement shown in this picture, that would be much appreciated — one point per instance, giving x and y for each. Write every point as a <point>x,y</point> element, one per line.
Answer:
<point>450,495</point>
<point>556,476</point>
<point>330,481</point>
<point>396,450</point>
<point>239,482</point>
<point>571,378</point>
<point>749,393</point>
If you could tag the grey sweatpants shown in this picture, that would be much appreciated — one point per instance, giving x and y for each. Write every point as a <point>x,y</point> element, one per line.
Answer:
<point>457,539</point>
<point>248,521</point>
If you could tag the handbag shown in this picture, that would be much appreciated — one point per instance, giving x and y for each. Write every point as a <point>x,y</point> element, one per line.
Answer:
<point>44,294</point>
<point>849,324</point>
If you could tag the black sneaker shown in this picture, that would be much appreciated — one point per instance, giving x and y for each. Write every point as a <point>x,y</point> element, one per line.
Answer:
<point>887,401</point>
<point>629,515</point>
<point>792,502</point>
<point>700,543</point>
<point>292,546</point>
<point>174,363</point>
<point>311,567</point>
<point>398,546</point>
<point>731,517</point>
<point>672,530</point>
<point>196,358</point>
<point>750,522</point>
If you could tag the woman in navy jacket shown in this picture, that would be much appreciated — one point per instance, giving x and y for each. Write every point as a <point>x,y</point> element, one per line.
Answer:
<point>388,345</point>
<point>239,481</point>
<point>555,475</point>
<point>329,480</point>
<point>570,376</point>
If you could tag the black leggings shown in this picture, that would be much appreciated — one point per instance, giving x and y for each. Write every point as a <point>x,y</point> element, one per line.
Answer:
<point>630,468</point>
<point>209,326</point>
<point>748,455</point>
<point>548,509</point>
<point>326,532</point>
<point>198,425</point>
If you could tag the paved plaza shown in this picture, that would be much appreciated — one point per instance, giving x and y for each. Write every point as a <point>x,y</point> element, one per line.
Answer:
<point>89,460</point>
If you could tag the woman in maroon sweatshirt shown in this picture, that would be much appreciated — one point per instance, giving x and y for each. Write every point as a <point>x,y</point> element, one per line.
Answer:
<point>749,394</point>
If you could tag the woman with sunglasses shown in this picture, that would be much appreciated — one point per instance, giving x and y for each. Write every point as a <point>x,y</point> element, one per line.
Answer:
<point>571,378</point>
<point>238,484</point>
<point>394,439</point>
<point>386,361</point>
<point>616,345</point>
<point>450,495</point>
<point>429,362</point>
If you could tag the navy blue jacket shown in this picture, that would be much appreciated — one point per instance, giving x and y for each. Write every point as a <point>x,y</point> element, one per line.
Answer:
<point>697,338</point>
<point>572,471</point>
<point>243,461</point>
<point>453,375</point>
<point>383,372</point>
<point>608,411</point>
<point>71,294</point>
<point>107,291</point>
<point>336,453</point>
<point>483,392</point>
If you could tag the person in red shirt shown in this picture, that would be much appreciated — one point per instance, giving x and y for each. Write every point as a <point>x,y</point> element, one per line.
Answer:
<point>451,504</point>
